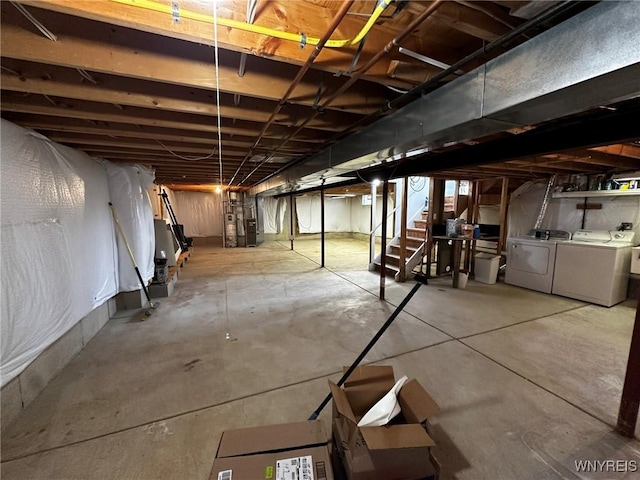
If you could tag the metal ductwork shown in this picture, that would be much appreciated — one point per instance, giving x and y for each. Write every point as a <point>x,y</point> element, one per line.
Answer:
<point>590,60</point>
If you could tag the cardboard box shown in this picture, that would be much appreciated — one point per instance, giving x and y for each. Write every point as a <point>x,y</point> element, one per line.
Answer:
<point>400,450</point>
<point>292,451</point>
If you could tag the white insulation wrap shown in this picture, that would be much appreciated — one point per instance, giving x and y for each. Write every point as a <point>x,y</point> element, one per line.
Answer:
<point>57,243</point>
<point>562,213</point>
<point>199,212</point>
<point>274,210</point>
<point>337,214</point>
<point>128,186</point>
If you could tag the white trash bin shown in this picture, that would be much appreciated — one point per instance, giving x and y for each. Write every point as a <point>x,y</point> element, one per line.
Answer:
<point>462,280</point>
<point>487,266</point>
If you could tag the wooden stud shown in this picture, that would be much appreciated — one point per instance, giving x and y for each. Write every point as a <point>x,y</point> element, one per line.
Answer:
<point>504,202</point>
<point>630,399</point>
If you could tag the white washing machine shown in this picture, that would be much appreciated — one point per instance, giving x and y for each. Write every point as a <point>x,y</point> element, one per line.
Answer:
<point>594,266</point>
<point>531,259</point>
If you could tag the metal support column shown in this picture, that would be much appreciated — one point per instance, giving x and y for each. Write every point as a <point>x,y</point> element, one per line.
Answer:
<point>630,401</point>
<point>403,229</point>
<point>372,236</point>
<point>383,240</point>
<point>322,228</point>
<point>291,220</point>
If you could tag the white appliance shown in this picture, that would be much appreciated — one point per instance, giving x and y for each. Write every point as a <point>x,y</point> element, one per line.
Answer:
<point>531,259</point>
<point>594,266</point>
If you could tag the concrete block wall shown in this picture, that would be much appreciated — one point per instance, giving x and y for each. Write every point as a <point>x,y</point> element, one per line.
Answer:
<point>23,389</point>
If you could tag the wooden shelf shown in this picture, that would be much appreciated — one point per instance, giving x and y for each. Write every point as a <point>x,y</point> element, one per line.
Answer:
<point>597,193</point>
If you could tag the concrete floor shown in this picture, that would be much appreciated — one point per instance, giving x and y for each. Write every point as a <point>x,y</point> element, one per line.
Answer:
<point>528,383</point>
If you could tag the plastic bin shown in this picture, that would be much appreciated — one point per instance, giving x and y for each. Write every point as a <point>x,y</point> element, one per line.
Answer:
<point>462,280</point>
<point>487,267</point>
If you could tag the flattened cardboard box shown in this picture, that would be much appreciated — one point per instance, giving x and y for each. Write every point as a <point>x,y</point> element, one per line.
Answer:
<point>292,451</point>
<point>396,451</point>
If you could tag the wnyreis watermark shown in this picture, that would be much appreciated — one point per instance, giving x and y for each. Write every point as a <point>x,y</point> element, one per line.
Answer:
<point>617,466</point>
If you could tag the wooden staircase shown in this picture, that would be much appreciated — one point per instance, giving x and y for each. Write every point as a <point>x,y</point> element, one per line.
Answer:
<point>415,244</point>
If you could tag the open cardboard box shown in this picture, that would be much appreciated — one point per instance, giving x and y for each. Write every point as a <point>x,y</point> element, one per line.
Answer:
<point>291,451</point>
<point>399,450</point>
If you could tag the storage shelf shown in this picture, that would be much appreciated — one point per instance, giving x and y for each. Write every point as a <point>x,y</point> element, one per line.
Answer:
<point>597,193</point>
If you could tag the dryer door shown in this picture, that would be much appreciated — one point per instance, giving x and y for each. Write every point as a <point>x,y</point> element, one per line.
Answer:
<point>530,258</point>
<point>530,264</point>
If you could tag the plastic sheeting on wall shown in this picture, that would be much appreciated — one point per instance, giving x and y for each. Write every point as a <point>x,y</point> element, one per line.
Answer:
<point>562,213</point>
<point>199,212</point>
<point>273,214</point>
<point>128,187</point>
<point>58,244</point>
<point>337,214</point>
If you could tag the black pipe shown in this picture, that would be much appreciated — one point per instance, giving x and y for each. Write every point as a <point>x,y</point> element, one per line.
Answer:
<point>383,240</point>
<point>369,346</point>
<point>291,220</point>
<point>322,228</point>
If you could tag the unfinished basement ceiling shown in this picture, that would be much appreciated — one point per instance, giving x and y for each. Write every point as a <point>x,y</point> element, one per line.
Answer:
<point>135,81</point>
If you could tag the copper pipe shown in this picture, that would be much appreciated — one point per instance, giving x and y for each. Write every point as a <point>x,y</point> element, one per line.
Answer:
<point>356,76</point>
<point>342,12</point>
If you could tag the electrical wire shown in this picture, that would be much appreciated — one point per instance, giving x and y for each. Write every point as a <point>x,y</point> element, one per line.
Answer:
<point>189,159</point>
<point>397,90</point>
<point>415,181</point>
<point>300,38</point>
<point>215,52</point>
<point>43,30</point>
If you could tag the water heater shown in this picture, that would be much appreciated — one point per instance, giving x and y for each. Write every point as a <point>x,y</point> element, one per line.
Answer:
<point>230,230</point>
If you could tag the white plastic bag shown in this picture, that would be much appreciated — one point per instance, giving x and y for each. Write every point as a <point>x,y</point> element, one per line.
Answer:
<point>386,408</point>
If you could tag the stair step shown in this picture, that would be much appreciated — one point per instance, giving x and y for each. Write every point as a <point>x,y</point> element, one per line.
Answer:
<point>396,249</point>
<point>393,259</point>
<point>415,232</point>
<point>390,269</point>
<point>421,224</point>
<point>414,242</point>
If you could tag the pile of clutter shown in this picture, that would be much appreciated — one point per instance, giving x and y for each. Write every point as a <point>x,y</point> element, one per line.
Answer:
<point>379,432</point>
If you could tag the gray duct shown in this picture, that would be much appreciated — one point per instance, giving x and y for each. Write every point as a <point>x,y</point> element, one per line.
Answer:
<point>591,59</point>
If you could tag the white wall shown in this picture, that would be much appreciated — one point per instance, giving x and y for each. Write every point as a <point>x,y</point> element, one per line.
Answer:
<point>199,212</point>
<point>562,213</point>
<point>418,192</point>
<point>337,214</point>
<point>58,242</point>
<point>360,216</point>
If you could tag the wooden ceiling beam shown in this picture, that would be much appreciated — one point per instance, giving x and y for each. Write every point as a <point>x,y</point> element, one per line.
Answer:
<point>150,150</point>
<point>62,82</point>
<point>100,47</point>
<point>558,164</point>
<point>12,102</point>
<point>100,150</point>
<point>103,140</point>
<point>210,142</point>
<point>48,125</point>
<point>228,163</point>
<point>503,167</point>
<point>295,17</point>
<point>598,157</point>
<point>623,150</point>
<point>470,21</point>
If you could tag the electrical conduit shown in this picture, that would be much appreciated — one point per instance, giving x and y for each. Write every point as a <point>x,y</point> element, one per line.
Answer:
<point>248,27</point>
